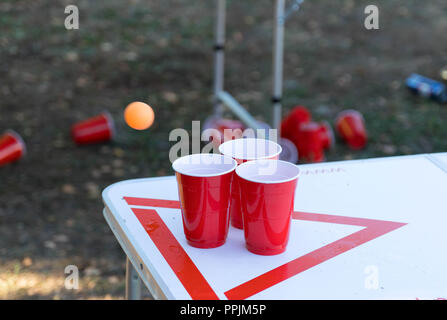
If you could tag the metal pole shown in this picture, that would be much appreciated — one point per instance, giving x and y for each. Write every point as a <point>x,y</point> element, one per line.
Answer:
<point>133,282</point>
<point>238,110</point>
<point>219,56</point>
<point>278,50</point>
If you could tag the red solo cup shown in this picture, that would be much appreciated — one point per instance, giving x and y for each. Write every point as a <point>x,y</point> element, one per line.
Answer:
<point>294,119</point>
<point>12,147</point>
<point>327,135</point>
<point>309,142</point>
<point>204,183</point>
<point>97,129</point>
<point>350,125</point>
<point>243,150</point>
<point>299,115</point>
<point>267,196</point>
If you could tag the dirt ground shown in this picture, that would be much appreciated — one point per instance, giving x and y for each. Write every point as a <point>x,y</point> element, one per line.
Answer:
<point>161,52</point>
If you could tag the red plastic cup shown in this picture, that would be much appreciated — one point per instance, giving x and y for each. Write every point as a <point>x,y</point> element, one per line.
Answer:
<point>327,135</point>
<point>350,125</point>
<point>294,119</point>
<point>309,142</point>
<point>243,150</point>
<point>267,197</point>
<point>12,147</point>
<point>97,129</point>
<point>204,186</point>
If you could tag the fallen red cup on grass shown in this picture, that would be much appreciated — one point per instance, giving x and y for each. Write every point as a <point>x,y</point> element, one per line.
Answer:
<point>204,186</point>
<point>267,197</point>
<point>243,150</point>
<point>12,147</point>
<point>310,143</point>
<point>100,128</point>
<point>327,135</point>
<point>350,125</point>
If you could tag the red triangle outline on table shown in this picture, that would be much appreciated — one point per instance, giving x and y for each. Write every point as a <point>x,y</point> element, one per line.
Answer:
<point>196,284</point>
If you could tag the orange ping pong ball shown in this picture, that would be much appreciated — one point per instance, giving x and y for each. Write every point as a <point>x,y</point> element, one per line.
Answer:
<point>139,115</point>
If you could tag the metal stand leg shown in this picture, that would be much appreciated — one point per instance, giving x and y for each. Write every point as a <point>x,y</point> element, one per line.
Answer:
<point>278,50</point>
<point>219,56</point>
<point>220,96</point>
<point>133,282</point>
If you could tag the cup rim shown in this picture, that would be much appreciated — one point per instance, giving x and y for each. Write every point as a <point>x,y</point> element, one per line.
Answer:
<point>254,162</point>
<point>110,123</point>
<point>224,158</point>
<point>344,112</point>
<point>295,151</point>
<point>19,138</point>
<point>234,156</point>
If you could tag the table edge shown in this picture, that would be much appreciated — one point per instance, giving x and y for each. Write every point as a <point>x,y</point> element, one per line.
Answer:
<point>428,156</point>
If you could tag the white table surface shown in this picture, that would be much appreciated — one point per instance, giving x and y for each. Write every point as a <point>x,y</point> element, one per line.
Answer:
<point>364,229</point>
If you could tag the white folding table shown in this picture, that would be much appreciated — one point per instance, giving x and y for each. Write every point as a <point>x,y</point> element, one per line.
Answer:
<point>362,229</point>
